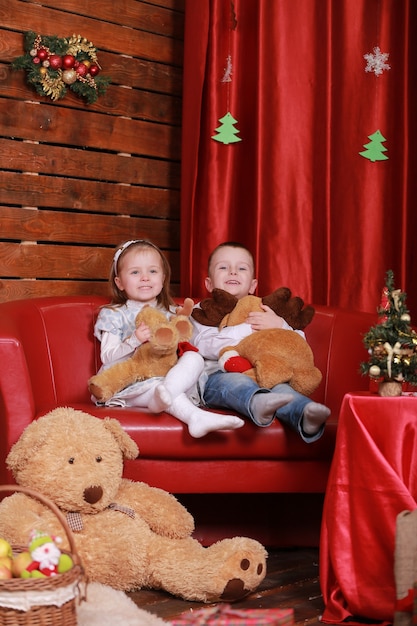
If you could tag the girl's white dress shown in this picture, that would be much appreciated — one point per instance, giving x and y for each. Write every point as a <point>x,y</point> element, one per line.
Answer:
<point>115,329</point>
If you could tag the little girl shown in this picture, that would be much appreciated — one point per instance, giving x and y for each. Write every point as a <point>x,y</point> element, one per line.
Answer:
<point>139,276</point>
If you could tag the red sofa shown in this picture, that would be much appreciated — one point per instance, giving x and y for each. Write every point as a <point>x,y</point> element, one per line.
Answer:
<point>48,352</point>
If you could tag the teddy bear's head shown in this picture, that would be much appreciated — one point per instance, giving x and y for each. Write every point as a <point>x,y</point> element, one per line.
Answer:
<point>215,311</point>
<point>52,457</point>
<point>240,312</point>
<point>165,335</point>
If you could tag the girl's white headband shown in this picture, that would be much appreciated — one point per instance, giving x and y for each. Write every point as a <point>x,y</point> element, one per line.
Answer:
<point>126,245</point>
<point>122,249</point>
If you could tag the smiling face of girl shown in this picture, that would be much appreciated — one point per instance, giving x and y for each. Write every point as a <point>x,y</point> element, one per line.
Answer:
<point>140,275</point>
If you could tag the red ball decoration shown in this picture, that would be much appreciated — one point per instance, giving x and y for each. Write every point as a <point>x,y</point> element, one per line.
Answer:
<point>68,61</point>
<point>94,69</point>
<point>81,69</point>
<point>55,61</point>
<point>36,60</point>
<point>42,54</point>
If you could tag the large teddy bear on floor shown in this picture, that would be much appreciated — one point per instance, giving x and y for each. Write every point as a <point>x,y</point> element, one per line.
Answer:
<point>152,358</point>
<point>128,535</point>
<point>270,356</point>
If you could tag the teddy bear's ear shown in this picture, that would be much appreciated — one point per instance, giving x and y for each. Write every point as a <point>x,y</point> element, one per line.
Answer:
<point>278,299</point>
<point>128,447</point>
<point>212,310</point>
<point>184,328</point>
<point>243,307</point>
<point>186,308</point>
<point>299,316</point>
<point>290,308</point>
<point>32,438</point>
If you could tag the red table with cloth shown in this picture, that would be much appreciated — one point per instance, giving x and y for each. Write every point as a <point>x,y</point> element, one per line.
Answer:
<point>373,478</point>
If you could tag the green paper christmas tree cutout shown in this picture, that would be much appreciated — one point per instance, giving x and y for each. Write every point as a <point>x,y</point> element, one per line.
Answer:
<point>374,149</point>
<point>227,132</point>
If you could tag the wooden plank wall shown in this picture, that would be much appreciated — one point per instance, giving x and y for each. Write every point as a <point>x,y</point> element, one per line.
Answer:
<point>77,179</point>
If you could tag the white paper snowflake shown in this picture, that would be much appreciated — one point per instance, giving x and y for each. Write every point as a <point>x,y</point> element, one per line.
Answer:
<point>376,62</point>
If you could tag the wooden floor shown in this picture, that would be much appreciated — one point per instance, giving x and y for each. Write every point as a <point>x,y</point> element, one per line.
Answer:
<point>291,582</point>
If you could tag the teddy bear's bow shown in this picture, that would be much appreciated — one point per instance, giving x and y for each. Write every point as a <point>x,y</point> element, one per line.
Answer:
<point>75,521</point>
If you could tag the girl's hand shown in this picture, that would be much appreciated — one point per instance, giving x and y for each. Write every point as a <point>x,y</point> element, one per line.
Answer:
<point>143,332</point>
<point>265,319</point>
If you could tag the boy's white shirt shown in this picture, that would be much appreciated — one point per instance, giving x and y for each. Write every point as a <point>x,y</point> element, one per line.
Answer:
<point>210,340</point>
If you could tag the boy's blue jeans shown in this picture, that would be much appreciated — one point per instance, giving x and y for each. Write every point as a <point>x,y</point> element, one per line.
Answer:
<point>230,390</point>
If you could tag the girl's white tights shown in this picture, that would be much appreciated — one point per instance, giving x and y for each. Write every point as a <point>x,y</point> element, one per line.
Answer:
<point>201,422</point>
<point>170,396</point>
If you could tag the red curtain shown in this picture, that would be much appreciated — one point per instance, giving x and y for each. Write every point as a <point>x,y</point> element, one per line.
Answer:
<point>319,217</point>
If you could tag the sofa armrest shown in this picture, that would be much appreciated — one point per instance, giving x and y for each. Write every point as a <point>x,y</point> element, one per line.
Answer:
<point>17,406</point>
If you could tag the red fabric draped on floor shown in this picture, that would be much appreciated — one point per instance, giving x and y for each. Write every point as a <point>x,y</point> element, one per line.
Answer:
<point>373,478</point>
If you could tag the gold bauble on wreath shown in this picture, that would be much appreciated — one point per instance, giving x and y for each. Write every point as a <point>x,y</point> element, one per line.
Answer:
<point>390,388</point>
<point>69,76</point>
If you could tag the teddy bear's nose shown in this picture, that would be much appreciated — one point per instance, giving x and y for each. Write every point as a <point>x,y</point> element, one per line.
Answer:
<point>93,494</point>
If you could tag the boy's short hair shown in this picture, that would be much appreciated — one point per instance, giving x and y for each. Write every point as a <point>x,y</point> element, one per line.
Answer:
<point>229,244</point>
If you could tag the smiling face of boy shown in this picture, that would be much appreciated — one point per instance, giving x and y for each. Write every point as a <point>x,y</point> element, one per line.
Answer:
<point>231,269</point>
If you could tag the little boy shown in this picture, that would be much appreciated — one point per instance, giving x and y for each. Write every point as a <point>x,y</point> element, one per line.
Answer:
<point>231,268</point>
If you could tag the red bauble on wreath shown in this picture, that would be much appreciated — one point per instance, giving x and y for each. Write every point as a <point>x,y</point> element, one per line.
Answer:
<point>43,54</point>
<point>55,61</point>
<point>94,69</point>
<point>81,69</point>
<point>68,61</point>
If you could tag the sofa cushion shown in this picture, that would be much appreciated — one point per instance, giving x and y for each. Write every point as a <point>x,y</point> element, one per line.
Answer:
<point>164,437</point>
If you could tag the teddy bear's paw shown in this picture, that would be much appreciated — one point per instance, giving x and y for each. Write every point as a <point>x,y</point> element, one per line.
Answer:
<point>98,390</point>
<point>242,570</point>
<point>306,381</point>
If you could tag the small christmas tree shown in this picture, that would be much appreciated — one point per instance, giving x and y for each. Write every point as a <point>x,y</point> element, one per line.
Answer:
<point>392,343</point>
<point>374,149</point>
<point>227,131</point>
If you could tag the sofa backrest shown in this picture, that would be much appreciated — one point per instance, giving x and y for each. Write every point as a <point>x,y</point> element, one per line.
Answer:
<point>336,339</point>
<point>48,352</point>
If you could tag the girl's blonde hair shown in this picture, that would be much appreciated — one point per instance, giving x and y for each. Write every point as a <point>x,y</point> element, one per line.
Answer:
<point>164,299</point>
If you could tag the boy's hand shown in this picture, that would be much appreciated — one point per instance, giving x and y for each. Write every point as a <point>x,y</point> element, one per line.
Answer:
<point>265,319</point>
<point>143,332</point>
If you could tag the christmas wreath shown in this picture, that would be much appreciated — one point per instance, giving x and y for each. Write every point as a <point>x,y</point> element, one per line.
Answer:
<point>53,64</point>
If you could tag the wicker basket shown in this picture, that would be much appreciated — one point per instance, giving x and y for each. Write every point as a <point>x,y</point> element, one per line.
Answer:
<point>42,601</point>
